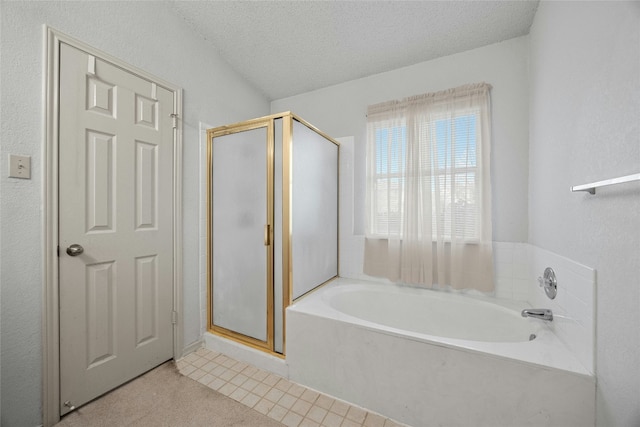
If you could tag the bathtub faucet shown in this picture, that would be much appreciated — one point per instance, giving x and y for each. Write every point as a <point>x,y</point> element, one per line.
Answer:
<point>538,313</point>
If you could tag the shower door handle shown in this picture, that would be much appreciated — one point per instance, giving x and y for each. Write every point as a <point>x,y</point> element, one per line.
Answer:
<point>267,235</point>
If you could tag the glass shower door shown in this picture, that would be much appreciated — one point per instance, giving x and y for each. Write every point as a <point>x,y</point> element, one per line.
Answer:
<point>241,233</point>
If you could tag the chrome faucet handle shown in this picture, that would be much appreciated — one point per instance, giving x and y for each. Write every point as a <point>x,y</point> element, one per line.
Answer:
<point>549,283</point>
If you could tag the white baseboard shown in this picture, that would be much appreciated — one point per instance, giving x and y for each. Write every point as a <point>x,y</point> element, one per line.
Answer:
<point>191,348</point>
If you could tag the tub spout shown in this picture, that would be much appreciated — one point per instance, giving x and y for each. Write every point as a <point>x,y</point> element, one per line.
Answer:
<point>538,313</point>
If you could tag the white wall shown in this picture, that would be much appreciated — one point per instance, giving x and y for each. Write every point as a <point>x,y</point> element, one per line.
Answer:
<point>341,111</point>
<point>585,127</point>
<point>146,35</point>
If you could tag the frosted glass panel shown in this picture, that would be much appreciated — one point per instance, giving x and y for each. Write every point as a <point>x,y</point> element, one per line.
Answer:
<point>314,210</point>
<point>278,328</point>
<point>239,214</point>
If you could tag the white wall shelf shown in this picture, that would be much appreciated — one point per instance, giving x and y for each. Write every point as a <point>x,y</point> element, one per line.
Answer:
<point>591,188</point>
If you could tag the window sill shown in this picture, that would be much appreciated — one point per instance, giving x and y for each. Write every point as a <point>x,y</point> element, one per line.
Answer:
<point>446,241</point>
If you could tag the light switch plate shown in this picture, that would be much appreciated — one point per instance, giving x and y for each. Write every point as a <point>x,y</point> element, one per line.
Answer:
<point>19,166</point>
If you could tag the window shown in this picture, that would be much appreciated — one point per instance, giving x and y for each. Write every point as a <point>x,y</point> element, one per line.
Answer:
<point>388,181</point>
<point>425,167</point>
<point>428,189</point>
<point>448,165</point>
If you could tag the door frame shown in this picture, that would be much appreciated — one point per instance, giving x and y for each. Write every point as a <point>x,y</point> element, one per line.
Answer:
<point>50,307</point>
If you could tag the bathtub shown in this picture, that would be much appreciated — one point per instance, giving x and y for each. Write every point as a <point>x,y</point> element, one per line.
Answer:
<point>428,358</point>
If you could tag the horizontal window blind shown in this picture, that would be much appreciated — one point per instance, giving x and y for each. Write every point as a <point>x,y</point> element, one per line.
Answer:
<point>448,167</point>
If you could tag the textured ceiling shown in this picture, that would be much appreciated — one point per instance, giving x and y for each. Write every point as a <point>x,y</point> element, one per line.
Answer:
<point>289,47</point>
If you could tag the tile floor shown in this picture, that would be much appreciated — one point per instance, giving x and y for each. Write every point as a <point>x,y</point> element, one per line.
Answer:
<point>291,404</point>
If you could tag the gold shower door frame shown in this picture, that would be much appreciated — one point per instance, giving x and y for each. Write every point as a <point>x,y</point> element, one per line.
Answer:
<point>286,226</point>
<point>268,238</point>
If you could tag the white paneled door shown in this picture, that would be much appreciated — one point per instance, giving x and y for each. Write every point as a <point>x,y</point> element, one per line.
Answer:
<point>115,226</point>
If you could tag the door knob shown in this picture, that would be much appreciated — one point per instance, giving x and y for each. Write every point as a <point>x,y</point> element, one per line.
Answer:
<point>75,250</point>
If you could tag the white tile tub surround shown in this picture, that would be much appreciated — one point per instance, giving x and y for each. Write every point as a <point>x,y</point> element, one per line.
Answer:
<point>422,381</point>
<point>516,268</point>
<point>574,306</point>
<point>511,261</point>
<point>511,270</point>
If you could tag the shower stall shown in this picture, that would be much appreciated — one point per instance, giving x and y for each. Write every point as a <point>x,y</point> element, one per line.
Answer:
<point>272,224</point>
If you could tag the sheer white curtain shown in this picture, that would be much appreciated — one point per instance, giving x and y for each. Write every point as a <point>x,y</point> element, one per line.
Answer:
<point>429,189</point>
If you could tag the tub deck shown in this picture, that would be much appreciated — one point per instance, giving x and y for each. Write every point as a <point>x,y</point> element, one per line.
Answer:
<point>420,379</point>
<point>546,349</point>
